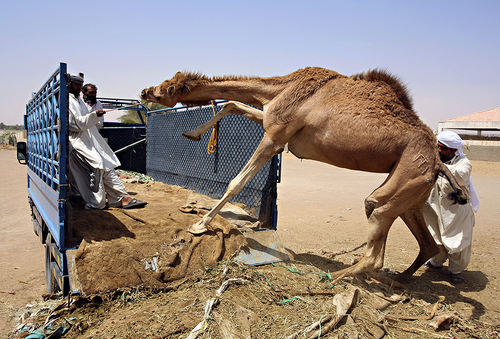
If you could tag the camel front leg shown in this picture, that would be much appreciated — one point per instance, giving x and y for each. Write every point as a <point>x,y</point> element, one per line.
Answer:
<point>265,151</point>
<point>231,107</point>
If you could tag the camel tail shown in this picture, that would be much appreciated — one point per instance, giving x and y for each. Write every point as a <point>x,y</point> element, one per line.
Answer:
<point>458,195</point>
<point>382,75</point>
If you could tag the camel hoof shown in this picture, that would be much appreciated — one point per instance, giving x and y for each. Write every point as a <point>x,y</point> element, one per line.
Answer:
<point>197,229</point>
<point>402,278</point>
<point>191,136</point>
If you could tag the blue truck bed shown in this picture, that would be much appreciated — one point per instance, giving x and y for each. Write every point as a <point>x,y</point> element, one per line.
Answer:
<point>46,122</point>
<point>166,156</point>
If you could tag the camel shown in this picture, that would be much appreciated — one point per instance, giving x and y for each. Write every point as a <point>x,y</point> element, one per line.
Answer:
<point>361,122</point>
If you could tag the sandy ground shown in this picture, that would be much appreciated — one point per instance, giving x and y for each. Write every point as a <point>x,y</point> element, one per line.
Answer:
<point>321,213</point>
<point>22,263</point>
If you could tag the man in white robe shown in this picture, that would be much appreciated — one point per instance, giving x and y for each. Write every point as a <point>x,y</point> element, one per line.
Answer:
<point>92,161</point>
<point>451,224</point>
<point>90,98</point>
<point>89,92</point>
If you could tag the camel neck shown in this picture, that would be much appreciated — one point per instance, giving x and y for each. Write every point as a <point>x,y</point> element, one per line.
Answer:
<point>252,91</point>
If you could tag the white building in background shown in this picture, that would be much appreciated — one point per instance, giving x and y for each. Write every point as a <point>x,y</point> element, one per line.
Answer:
<point>481,123</point>
<point>480,132</point>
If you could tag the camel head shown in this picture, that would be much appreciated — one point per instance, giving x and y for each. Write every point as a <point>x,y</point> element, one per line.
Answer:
<point>167,92</point>
<point>177,89</point>
<point>155,94</point>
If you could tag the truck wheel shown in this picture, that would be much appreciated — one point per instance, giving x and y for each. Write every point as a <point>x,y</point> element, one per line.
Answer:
<point>50,280</point>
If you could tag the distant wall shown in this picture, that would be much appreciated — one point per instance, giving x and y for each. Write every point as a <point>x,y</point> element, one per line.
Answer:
<point>482,152</point>
<point>20,135</point>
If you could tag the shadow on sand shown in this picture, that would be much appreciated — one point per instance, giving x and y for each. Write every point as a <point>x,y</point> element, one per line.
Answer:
<point>426,284</point>
<point>97,225</point>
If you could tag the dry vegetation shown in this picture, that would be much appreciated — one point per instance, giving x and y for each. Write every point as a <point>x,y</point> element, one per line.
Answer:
<point>272,301</point>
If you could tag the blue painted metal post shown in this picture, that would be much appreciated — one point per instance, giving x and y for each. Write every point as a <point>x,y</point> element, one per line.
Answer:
<point>63,151</point>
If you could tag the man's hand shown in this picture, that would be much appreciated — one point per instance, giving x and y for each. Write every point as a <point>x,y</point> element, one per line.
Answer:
<point>100,112</point>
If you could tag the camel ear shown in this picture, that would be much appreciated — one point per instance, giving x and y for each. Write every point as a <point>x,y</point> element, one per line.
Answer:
<point>171,90</point>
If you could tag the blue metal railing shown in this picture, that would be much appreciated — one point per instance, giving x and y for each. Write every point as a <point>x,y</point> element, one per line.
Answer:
<point>119,103</point>
<point>46,123</point>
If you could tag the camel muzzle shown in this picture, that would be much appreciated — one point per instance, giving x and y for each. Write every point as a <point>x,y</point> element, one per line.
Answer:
<point>148,94</point>
<point>144,93</point>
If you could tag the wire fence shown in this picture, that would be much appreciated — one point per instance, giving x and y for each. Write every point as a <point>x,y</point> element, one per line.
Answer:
<point>176,160</point>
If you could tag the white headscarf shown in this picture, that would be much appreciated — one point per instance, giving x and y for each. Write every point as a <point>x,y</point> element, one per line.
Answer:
<point>452,140</point>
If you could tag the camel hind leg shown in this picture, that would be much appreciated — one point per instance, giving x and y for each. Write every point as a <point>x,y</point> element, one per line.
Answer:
<point>404,186</point>
<point>265,151</point>
<point>414,219</point>
<point>231,107</point>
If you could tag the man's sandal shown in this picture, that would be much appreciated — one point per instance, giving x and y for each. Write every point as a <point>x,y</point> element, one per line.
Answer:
<point>456,278</point>
<point>135,204</point>
<point>430,265</point>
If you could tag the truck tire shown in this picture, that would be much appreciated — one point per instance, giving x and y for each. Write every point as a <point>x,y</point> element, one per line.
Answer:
<point>50,280</point>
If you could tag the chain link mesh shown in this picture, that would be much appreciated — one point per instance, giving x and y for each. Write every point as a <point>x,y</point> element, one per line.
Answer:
<point>176,160</point>
<point>119,135</point>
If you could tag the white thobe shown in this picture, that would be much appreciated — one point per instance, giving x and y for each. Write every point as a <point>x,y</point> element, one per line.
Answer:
<point>451,224</point>
<point>95,107</point>
<point>92,161</point>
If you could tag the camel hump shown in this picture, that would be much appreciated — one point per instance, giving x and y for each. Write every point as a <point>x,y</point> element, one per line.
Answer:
<point>380,75</point>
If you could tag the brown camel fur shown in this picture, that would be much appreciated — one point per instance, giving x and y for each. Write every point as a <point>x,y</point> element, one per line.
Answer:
<point>363,122</point>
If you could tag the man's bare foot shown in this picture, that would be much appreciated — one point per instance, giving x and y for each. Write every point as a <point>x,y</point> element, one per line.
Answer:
<point>126,200</point>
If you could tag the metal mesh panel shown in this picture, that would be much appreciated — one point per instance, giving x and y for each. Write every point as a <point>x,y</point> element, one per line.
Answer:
<point>46,128</point>
<point>176,160</point>
<point>120,135</point>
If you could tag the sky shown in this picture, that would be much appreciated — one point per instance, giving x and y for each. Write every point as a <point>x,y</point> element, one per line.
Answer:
<point>447,52</point>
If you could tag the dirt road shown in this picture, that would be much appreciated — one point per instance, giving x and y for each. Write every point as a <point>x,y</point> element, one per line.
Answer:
<point>320,212</point>
<point>21,253</point>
